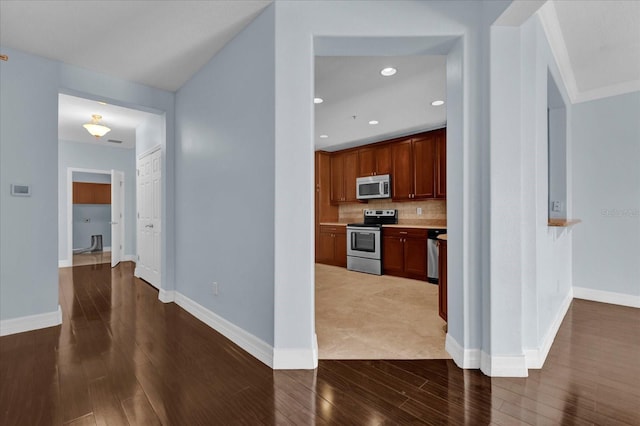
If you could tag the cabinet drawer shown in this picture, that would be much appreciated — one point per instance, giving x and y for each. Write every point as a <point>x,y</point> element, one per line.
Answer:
<point>334,229</point>
<point>405,232</point>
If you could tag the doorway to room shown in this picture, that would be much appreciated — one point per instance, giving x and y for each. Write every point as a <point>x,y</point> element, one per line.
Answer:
<point>357,109</point>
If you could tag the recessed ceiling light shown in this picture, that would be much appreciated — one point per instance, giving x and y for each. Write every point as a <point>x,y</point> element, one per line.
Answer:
<point>388,72</point>
<point>374,122</point>
<point>437,103</point>
<point>318,100</point>
<point>324,136</point>
<point>102,103</point>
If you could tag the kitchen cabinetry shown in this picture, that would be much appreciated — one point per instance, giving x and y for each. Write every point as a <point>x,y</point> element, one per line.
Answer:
<point>324,210</point>
<point>91,193</point>
<point>375,160</point>
<point>442,279</point>
<point>413,168</point>
<point>441,164</point>
<point>332,245</point>
<point>344,170</point>
<point>404,252</point>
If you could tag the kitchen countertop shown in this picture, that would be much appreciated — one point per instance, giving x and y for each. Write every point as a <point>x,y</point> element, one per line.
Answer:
<point>442,237</point>
<point>407,223</point>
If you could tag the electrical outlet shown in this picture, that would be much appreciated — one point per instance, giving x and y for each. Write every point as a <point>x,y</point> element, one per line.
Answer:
<point>215,288</point>
<point>419,210</point>
<point>556,206</point>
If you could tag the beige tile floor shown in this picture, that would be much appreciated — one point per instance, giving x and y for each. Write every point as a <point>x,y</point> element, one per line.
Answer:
<point>92,258</point>
<point>363,316</point>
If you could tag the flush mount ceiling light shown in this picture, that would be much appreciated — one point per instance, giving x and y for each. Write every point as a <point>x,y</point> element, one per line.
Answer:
<point>437,103</point>
<point>388,72</point>
<point>318,100</point>
<point>373,122</point>
<point>95,128</point>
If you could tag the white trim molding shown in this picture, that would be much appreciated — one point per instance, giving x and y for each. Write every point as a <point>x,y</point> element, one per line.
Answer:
<point>31,322</point>
<point>166,296</point>
<point>247,341</point>
<point>464,358</point>
<point>606,297</point>
<point>65,263</point>
<point>503,366</point>
<point>535,358</point>
<point>295,358</point>
<point>129,258</point>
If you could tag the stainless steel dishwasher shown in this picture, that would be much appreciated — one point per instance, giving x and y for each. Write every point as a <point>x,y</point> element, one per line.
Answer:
<point>432,254</point>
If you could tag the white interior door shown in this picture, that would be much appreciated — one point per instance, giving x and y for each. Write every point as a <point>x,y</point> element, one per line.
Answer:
<point>117,217</point>
<point>149,221</point>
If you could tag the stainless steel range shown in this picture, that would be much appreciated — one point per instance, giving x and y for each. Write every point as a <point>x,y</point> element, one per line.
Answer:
<point>364,241</point>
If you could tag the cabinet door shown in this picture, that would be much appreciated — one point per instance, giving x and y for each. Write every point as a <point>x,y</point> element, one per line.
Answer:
<point>82,193</point>
<point>424,154</point>
<point>102,193</point>
<point>392,255</point>
<point>441,164</point>
<point>383,160</point>
<point>337,178</point>
<point>366,162</point>
<point>442,279</point>
<point>415,258</point>
<point>350,174</point>
<point>340,248</point>
<point>402,170</point>
<point>325,247</point>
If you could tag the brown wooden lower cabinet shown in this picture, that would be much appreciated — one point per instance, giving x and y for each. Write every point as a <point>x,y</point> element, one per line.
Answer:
<point>332,245</point>
<point>404,252</point>
<point>442,279</point>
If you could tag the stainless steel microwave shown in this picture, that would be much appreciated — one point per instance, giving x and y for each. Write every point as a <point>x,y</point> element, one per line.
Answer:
<point>373,187</point>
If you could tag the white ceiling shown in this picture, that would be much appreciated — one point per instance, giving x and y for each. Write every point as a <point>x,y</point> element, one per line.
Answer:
<point>353,86</point>
<point>73,112</point>
<point>162,43</point>
<point>596,44</point>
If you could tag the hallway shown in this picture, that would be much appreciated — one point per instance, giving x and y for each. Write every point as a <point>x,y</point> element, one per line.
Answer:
<point>123,357</point>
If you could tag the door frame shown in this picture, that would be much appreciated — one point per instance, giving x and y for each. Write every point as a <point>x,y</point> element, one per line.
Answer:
<point>70,170</point>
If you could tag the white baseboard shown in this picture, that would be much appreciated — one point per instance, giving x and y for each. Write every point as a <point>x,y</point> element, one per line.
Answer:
<point>65,263</point>
<point>31,322</point>
<point>464,358</point>
<point>247,341</point>
<point>106,249</point>
<point>129,258</point>
<point>296,358</point>
<point>606,297</point>
<point>503,366</point>
<point>536,357</point>
<point>166,296</point>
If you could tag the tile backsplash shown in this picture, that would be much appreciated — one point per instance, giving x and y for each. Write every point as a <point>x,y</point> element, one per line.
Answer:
<point>431,209</point>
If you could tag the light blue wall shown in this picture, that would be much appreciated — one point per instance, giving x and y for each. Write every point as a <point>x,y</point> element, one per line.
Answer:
<point>86,156</point>
<point>29,87</point>
<point>530,261</point>
<point>28,155</point>
<point>88,220</point>
<point>225,181</point>
<point>606,194</point>
<point>297,25</point>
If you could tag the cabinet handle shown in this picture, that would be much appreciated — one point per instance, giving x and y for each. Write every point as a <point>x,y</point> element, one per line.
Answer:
<point>403,232</point>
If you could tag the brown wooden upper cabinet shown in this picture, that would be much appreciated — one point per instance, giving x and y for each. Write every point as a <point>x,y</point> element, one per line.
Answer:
<point>418,167</point>
<point>344,170</point>
<point>375,160</point>
<point>441,163</point>
<point>91,193</point>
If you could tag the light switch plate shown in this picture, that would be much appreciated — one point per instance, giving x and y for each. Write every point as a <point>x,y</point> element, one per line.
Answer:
<point>20,190</point>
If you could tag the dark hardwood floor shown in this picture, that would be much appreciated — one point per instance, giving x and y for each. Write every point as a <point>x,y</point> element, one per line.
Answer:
<point>123,357</point>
